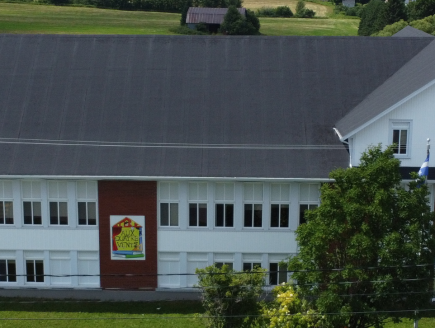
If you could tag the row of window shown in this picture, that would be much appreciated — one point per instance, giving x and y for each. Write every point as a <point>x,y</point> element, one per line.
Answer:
<point>34,271</point>
<point>58,213</point>
<point>224,215</point>
<point>224,197</point>
<point>60,265</point>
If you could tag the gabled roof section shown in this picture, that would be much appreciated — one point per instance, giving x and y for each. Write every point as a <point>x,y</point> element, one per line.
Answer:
<point>414,77</point>
<point>185,106</point>
<point>411,32</point>
<point>208,15</point>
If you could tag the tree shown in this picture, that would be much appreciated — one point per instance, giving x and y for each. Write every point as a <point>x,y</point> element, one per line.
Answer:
<point>230,298</point>
<point>373,18</point>
<point>395,11</point>
<point>368,247</point>
<point>235,24</point>
<point>184,10</point>
<point>420,9</point>
<point>392,29</point>
<point>302,12</point>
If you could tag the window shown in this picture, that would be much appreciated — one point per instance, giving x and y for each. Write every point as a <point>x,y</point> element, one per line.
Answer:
<point>168,197</point>
<point>224,215</point>
<point>88,267</point>
<point>277,273</point>
<point>8,271</point>
<point>6,204</point>
<point>169,214</point>
<point>400,137</point>
<point>58,205</point>
<point>280,207</point>
<point>60,268</point>
<point>253,211</point>
<point>32,213</point>
<point>59,213</point>
<point>308,199</point>
<point>219,265</point>
<point>34,270</point>
<point>197,204</point>
<point>221,259</point>
<point>6,212</point>
<point>251,266</point>
<point>86,203</point>
<point>31,191</point>
<point>87,212</point>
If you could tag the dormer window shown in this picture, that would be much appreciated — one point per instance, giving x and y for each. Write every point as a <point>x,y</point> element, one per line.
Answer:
<point>400,137</point>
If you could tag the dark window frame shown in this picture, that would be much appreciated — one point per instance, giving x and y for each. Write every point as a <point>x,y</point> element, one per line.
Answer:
<point>84,209</point>
<point>166,218</point>
<point>4,212</point>
<point>56,218</point>
<point>37,271</point>
<point>252,218</point>
<point>29,209</point>
<point>6,266</point>
<point>198,214</point>
<point>224,215</point>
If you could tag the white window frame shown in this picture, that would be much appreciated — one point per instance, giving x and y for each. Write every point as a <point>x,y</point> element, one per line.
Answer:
<point>277,273</point>
<point>401,125</point>
<point>6,196</point>
<point>173,198</point>
<point>198,200</point>
<point>57,198</point>
<point>228,199</point>
<point>35,197</point>
<point>34,273</point>
<point>7,277</point>
<point>250,198</point>
<point>280,202</point>
<point>90,198</point>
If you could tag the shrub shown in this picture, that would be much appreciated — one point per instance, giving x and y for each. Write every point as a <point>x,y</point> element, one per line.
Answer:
<point>426,24</point>
<point>283,11</point>
<point>373,18</point>
<point>288,310</point>
<point>266,12</point>
<point>389,30</point>
<point>302,12</point>
<point>185,30</point>
<point>230,298</point>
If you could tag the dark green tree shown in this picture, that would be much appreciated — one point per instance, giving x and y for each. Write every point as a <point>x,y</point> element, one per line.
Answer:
<point>184,11</point>
<point>396,10</point>
<point>235,24</point>
<point>373,18</point>
<point>368,247</point>
<point>420,9</point>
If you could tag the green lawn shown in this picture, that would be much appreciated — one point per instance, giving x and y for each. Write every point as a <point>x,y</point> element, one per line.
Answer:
<point>301,26</point>
<point>101,314</point>
<point>28,18</point>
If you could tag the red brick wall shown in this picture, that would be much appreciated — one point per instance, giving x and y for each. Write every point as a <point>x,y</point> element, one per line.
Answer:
<point>128,198</point>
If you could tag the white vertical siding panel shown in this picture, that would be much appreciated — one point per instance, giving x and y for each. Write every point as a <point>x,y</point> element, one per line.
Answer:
<point>421,110</point>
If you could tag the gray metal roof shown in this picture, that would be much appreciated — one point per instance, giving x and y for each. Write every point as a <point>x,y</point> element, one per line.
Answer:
<point>185,106</point>
<point>417,73</point>
<point>208,15</point>
<point>409,31</point>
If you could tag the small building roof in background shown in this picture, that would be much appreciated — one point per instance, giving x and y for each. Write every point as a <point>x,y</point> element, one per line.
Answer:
<point>208,15</point>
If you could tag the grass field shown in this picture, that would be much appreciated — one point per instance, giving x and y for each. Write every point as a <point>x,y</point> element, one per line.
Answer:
<point>28,18</point>
<point>320,9</point>
<point>20,313</point>
<point>100,314</point>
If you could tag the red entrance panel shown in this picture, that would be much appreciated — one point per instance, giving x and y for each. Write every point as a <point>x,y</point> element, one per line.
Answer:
<point>128,198</point>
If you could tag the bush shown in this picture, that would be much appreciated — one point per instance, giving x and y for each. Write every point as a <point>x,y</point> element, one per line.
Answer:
<point>230,298</point>
<point>283,11</point>
<point>392,29</point>
<point>426,24</point>
<point>185,30</point>
<point>287,310</point>
<point>202,27</point>
<point>302,12</point>
<point>266,12</point>
<point>349,11</point>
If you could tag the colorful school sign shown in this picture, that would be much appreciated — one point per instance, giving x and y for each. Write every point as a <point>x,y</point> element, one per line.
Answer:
<point>127,237</point>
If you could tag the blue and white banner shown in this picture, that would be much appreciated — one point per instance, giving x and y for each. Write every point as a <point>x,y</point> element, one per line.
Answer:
<point>424,169</point>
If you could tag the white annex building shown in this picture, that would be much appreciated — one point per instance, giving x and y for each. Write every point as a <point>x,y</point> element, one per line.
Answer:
<point>126,158</point>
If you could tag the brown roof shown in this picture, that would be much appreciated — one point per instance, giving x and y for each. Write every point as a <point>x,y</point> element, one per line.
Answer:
<point>208,15</point>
